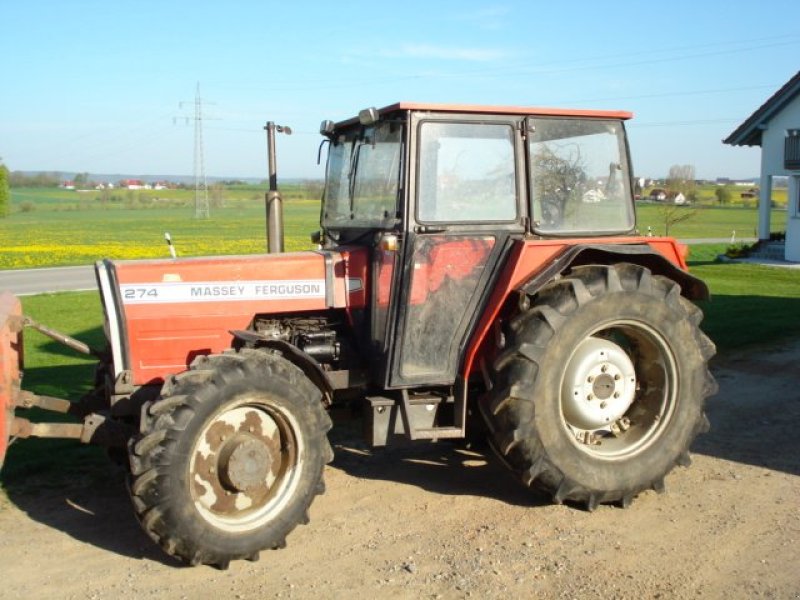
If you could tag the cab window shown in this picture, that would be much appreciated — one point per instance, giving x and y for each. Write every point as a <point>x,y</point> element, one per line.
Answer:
<point>466,172</point>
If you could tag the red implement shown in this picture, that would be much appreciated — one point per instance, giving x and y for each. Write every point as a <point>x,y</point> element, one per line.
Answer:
<point>10,364</point>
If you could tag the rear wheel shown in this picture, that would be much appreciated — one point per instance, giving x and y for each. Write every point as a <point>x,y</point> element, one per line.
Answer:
<point>600,389</point>
<point>230,457</point>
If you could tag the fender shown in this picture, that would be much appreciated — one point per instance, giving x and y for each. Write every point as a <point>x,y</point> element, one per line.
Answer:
<point>310,367</point>
<point>607,254</point>
<point>531,264</point>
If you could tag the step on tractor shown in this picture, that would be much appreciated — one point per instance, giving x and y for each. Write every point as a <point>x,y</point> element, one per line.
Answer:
<point>478,273</point>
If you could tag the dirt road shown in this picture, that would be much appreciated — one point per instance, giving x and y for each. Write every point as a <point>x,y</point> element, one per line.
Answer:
<point>444,522</point>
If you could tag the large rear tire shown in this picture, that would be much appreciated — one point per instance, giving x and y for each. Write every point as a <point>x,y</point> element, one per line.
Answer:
<point>229,458</point>
<point>600,389</point>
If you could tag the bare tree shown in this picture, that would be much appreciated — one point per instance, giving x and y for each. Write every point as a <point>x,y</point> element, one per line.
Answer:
<point>681,179</point>
<point>672,214</point>
<point>557,181</point>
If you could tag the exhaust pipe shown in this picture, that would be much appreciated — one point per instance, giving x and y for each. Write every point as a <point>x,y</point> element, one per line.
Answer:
<point>273,200</point>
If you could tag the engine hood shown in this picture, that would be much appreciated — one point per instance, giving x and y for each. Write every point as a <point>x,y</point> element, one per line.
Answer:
<point>160,314</point>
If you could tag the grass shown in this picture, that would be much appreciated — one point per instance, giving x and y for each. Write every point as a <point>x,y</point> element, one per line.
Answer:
<point>54,370</point>
<point>751,305</point>
<point>708,221</point>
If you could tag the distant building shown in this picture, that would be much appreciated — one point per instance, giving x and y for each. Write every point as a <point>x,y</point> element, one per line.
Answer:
<point>68,185</point>
<point>133,184</point>
<point>775,127</point>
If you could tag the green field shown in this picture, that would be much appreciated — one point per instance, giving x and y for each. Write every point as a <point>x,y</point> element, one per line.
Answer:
<point>708,221</point>
<point>56,232</point>
<point>55,227</point>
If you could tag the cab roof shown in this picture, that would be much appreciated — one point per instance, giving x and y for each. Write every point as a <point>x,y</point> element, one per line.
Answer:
<point>497,110</point>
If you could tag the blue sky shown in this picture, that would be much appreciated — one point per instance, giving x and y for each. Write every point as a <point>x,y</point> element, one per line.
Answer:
<point>96,86</point>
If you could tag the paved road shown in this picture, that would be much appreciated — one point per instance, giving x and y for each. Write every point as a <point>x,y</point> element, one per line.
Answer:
<point>725,240</point>
<point>24,282</point>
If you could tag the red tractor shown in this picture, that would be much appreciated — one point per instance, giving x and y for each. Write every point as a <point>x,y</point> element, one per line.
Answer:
<point>472,261</point>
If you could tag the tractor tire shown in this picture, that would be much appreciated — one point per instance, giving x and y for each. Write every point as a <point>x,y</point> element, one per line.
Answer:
<point>599,389</point>
<point>229,458</point>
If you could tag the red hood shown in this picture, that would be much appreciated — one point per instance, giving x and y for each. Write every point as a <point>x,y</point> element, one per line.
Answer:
<point>174,310</point>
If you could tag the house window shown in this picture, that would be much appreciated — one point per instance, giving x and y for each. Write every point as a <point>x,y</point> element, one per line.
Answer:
<point>791,154</point>
<point>796,197</point>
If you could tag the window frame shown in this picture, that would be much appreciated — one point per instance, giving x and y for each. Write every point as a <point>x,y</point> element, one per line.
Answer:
<point>358,135</point>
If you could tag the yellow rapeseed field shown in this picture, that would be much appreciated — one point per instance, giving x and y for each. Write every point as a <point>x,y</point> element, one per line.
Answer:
<point>51,238</point>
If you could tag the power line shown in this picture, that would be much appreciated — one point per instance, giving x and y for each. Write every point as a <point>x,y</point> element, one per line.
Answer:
<point>494,71</point>
<point>681,123</point>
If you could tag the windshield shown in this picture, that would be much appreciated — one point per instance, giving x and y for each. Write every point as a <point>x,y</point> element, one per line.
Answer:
<point>363,175</point>
<point>579,176</point>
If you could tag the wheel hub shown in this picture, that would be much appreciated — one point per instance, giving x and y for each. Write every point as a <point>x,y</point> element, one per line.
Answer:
<point>246,465</point>
<point>599,385</point>
<point>603,386</point>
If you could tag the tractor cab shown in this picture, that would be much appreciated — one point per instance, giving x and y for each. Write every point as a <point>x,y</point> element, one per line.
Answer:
<point>441,193</point>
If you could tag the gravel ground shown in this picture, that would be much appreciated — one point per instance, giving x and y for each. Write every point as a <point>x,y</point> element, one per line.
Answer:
<point>443,521</point>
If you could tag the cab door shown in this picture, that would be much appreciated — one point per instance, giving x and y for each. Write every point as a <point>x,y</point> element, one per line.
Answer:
<point>467,202</point>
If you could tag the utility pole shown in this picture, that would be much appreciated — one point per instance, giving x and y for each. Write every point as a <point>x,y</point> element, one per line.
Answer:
<point>201,209</point>
<point>200,187</point>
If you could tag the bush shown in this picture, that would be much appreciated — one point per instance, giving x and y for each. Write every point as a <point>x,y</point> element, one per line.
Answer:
<point>723,195</point>
<point>739,250</point>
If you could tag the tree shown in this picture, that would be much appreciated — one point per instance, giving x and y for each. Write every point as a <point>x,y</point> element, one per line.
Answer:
<point>17,179</point>
<point>723,195</point>
<point>673,214</point>
<point>681,180</point>
<point>5,195</point>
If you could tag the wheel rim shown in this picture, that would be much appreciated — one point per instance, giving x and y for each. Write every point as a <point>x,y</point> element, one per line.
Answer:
<point>245,464</point>
<point>618,390</point>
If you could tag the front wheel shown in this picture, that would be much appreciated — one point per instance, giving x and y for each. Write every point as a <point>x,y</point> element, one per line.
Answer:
<point>230,457</point>
<point>600,389</point>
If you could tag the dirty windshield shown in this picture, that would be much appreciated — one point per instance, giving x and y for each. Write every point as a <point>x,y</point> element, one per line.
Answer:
<point>362,181</point>
<point>579,176</point>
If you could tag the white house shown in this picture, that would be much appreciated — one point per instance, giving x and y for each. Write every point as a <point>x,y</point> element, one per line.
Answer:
<point>775,127</point>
